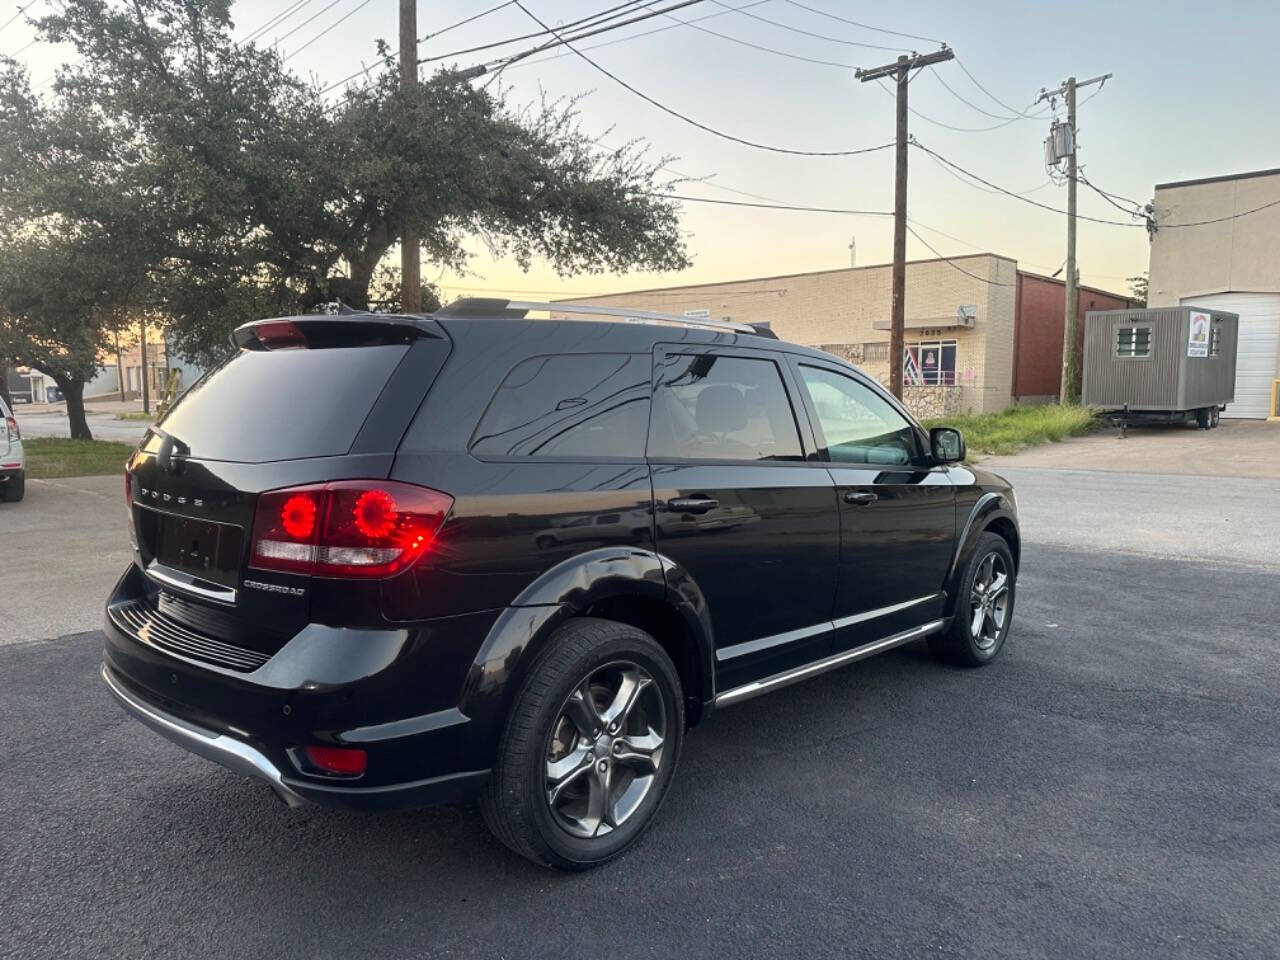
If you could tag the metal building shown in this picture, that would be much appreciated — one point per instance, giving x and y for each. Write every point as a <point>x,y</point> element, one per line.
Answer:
<point>1165,360</point>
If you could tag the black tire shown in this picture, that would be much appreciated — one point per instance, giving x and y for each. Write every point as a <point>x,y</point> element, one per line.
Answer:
<point>1203,416</point>
<point>959,644</point>
<point>516,805</point>
<point>15,488</point>
<point>1215,418</point>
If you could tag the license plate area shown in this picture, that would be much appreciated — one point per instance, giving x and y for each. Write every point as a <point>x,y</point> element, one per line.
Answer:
<point>200,548</point>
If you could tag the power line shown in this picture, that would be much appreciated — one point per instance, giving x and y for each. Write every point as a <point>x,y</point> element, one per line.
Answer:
<point>277,19</point>
<point>462,23</point>
<point>808,33</point>
<point>1022,193</point>
<point>1010,193</point>
<point>1135,208</point>
<point>1020,113</point>
<point>951,263</point>
<point>973,106</point>
<point>21,10</point>
<point>864,26</point>
<point>769,206</point>
<point>323,10</point>
<point>689,120</point>
<point>594,20</point>
<point>354,10</point>
<point>948,126</point>
<point>645,33</point>
<point>22,49</point>
<point>756,46</point>
<point>1234,216</point>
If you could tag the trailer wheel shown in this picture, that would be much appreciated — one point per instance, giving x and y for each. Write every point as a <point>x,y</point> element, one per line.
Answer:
<point>1202,418</point>
<point>1215,418</point>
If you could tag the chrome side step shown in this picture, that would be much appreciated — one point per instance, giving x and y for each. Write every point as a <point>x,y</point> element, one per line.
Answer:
<point>778,680</point>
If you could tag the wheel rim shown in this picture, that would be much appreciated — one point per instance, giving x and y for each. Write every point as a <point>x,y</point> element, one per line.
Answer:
<point>989,601</point>
<point>605,749</point>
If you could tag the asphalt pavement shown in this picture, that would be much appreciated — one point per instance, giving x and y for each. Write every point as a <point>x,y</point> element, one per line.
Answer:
<point>1108,788</point>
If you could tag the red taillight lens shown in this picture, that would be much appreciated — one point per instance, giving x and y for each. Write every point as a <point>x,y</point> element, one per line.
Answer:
<point>11,424</point>
<point>345,761</point>
<point>350,528</point>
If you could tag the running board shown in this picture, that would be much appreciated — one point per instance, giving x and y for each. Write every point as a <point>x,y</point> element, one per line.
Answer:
<point>778,680</point>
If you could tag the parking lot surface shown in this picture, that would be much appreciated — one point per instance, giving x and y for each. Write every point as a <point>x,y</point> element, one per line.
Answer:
<point>1106,789</point>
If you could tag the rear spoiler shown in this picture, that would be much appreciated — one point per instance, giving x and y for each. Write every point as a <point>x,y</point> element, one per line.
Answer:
<point>319,331</point>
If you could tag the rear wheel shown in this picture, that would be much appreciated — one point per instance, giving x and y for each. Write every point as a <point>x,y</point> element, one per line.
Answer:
<point>984,609</point>
<point>1215,418</point>
<point>15,488</point>
<point>1203,418</point>
<point>589,749</point>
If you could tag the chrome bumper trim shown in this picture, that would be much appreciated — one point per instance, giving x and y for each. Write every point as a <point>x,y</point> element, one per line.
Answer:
<point>221,749</point>
<point>757,687</point>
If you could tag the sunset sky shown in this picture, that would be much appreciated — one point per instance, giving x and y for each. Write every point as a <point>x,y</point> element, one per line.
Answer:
<point>1192,96</point>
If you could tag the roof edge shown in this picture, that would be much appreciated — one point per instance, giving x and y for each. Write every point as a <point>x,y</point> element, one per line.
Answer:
<point>1252,174</point>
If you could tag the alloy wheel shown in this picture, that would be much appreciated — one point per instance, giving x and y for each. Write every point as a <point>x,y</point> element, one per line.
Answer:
<point>989,601</point>
<point>605,749</point>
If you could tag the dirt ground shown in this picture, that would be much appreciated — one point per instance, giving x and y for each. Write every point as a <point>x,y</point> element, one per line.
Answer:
<point>1238,448</point>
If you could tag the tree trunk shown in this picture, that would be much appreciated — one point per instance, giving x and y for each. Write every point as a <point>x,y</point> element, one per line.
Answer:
<point>4,384</point>
<point>73,393</point>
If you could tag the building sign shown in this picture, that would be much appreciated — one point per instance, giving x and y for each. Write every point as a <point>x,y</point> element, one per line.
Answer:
<point>698,314</point>
<point>1198,341</point>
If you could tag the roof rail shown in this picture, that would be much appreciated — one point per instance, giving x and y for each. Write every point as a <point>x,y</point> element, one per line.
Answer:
<point>488,307</point>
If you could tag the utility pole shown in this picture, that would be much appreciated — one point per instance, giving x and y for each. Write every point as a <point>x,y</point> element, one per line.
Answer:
<point>410,268</point>
<point>1070,349</point>
<point>142,358</point>
<point>900,71</point>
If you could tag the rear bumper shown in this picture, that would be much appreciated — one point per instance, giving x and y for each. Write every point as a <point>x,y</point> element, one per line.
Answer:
<point>388,692</point>
<point>9,473</point>
<point>243,758</point>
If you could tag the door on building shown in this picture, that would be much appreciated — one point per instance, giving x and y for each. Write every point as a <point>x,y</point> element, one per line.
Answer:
<point>738,506</point>
<point>1258,349</point>
<point>897,509</point>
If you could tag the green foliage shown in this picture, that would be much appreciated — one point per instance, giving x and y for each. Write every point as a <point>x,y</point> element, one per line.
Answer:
<point>1018,427</point>
<point>1138,289</point>
<point>52,457</point>
<point>245,195</point>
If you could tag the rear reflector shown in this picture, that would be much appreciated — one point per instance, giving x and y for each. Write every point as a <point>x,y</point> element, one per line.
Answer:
<point>345,761</point>
<point>349,528</point>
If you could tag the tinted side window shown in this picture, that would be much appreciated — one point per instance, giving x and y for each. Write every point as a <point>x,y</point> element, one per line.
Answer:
<point>575,405</point>
<point>722,408</point>
<point>857,424</point>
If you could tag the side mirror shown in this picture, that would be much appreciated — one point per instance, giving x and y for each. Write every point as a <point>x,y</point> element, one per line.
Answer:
<point>947,444</point>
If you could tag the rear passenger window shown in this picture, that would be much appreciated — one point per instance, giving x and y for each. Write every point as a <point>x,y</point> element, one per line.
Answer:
<point>574,405</point>
<point>722,408</point>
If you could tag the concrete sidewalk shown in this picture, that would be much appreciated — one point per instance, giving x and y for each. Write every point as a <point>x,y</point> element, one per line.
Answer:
<point>61,550</point>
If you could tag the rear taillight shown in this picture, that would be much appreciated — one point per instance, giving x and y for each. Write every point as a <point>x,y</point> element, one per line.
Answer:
<point>279,335</point>
<point>349,528</point>
<point>11,425</point>
<point>342,761</point>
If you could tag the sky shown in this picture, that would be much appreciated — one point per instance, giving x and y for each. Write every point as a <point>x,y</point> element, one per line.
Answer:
<point>1191,91</point>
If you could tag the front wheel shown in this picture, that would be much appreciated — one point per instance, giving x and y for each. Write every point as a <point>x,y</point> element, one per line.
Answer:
<point>590,747</point>
<point>984,607</point>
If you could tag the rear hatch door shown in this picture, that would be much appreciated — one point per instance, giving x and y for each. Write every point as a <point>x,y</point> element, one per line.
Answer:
<point>303,401</point>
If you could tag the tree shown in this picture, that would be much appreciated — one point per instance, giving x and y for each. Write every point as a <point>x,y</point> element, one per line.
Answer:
<point>1138,289</point>
<point>264,199</point>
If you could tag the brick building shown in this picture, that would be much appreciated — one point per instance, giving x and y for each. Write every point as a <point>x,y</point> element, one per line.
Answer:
<point>979,332</point>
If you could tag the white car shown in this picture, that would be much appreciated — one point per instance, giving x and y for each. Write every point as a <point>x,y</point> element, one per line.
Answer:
<point>13,463</point>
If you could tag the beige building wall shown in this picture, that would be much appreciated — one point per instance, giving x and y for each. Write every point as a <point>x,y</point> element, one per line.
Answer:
<point>1240,255</point>
<point>839,310</point>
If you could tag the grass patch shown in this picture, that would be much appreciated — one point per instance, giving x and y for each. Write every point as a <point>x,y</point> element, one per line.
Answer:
<point>1019,427</point>
<point>135,415</point>
<point>52,457</point>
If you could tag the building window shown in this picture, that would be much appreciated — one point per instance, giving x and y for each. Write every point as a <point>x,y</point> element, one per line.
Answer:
<point>1133,341</point>
<point>875,353</point>
<point>929,363</point>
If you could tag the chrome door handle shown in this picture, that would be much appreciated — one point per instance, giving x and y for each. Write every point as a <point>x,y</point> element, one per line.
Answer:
<point>861,496</point>
<point>692,504</point>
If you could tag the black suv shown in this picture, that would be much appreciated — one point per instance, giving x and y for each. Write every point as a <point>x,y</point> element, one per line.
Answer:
<point>387,561</point>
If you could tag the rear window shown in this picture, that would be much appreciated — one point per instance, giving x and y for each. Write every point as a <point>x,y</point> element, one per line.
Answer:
<point>266,405</point>
<point>573,405</point>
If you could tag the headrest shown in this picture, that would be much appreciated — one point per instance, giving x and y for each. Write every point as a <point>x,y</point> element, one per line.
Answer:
<point>720,409</point>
